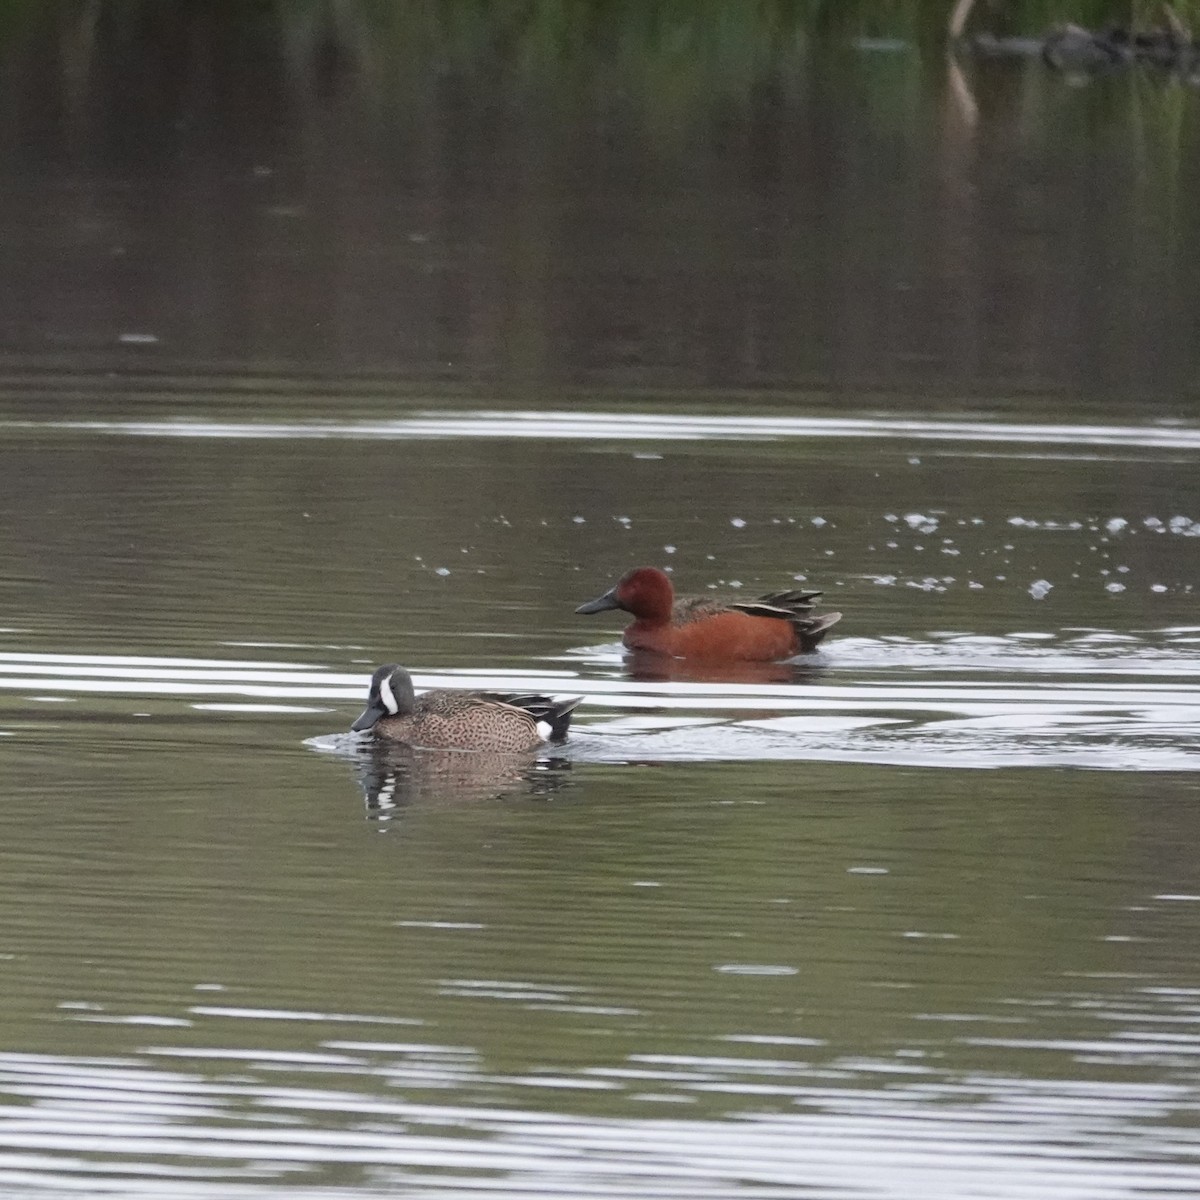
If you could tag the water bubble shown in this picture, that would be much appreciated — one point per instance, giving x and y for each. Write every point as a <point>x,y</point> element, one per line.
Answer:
<point>1115,524</point>
<point>1158,587</point>
<point>441,571</point>
<point>669,549</point>
<point>579,520</point>
<point>1040,588</point>
<point>737,522</point>
<point>1114,587</point>
<point>819,521</point>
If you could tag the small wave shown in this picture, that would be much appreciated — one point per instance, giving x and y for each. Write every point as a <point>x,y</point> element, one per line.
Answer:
<point>1087,699</point>
<point>584,426</point>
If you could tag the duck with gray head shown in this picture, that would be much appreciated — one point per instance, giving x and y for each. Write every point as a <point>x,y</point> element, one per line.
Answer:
<point>454,719</point>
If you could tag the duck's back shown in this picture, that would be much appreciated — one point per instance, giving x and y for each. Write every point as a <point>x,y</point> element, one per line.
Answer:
<point>444,719</point>
<point>688,609</point>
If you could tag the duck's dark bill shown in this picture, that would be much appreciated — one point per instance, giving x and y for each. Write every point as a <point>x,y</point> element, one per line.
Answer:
<point>600,604</point>
<point>370,714</point>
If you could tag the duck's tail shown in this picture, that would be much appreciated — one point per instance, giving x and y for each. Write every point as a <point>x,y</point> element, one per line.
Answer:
<point>810,630</point>
<point>553,717</point>
<point>795,606</point>
<point>558,718</point>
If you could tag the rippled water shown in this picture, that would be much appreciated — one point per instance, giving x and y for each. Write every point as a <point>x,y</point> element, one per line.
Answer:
<point>341,334</point>
<point>759,932</point>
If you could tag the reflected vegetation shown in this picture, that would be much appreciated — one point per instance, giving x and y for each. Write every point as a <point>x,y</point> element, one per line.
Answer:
<point>530,197</point>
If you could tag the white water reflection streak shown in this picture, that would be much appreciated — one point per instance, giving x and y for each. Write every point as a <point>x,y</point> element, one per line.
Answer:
<point>1003,704</point>
<point>225,1120</point>
<point>574,425</point>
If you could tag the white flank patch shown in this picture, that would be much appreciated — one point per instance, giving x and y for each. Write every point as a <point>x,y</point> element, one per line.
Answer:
<point>544,729</point>
<point>388,696</point>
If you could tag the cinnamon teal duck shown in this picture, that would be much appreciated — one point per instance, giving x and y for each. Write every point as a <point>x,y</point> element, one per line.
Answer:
<point>773,627</point>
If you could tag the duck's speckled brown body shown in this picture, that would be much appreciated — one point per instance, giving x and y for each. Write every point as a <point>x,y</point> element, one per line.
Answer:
<point>450,719</point>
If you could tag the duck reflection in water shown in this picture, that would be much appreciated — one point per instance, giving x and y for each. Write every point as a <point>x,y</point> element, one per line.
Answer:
<point>648,667</point>
<point>395,778</point>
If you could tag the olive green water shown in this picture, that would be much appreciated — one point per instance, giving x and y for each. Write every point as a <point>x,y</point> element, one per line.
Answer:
<point>323,350</point>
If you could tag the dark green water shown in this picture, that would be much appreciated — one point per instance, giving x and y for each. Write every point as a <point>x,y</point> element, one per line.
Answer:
<point>332,350</point>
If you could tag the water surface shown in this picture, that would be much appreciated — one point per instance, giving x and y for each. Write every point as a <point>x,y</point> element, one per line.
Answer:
<point>912,916</point>
<point>332,339</point>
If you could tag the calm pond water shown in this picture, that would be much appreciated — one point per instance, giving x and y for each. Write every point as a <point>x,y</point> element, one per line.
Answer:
<point>323,354</point>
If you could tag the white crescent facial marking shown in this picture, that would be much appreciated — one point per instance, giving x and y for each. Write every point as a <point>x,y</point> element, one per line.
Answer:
<point>388,696</point>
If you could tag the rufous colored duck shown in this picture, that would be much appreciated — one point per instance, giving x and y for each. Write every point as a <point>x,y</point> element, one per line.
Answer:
<point>772,627</point>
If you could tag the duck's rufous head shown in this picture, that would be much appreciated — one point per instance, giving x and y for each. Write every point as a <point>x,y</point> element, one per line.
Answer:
<point>645,592</point>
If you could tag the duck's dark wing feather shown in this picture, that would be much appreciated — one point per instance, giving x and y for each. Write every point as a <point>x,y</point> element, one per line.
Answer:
<point>778,604</point>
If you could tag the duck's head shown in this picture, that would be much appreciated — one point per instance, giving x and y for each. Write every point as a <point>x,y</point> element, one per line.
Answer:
<point>391,695</point>
<point>646,592</point>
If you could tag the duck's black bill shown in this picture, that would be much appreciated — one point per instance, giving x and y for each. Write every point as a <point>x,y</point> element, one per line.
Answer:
<point>600,604</point>
<point>370,714</point>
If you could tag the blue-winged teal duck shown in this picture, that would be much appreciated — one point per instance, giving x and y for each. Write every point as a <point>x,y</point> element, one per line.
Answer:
<point>449,719</point>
